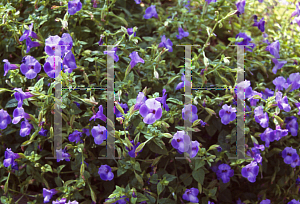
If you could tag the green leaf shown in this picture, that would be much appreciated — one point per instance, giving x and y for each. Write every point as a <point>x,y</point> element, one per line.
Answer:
<point>12,103</point>
<point>93,195</point>
<point>156,149</point>
<point>160,188</point>
<point>212,192</point>
<point>140,147</point>
<point>199,163</point>
<point>148,38</point>
<point>210,111</point>
<point>48,168</point>
<point>139,178</point>
<point>199,175</point>
<point>169,177</point>
<point>6,184</point>
<point>174,100</point>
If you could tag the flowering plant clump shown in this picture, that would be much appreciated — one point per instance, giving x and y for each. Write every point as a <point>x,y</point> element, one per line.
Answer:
<point>149,102</point>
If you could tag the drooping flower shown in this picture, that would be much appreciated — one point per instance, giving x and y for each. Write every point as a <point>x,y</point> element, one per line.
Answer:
<point>282,103</point>
<point>151,111</point>
<point>225,172</point>
<point>261,117</point>
<point>30,67</point>
<point>167,43</point>
<point>280,83</point>
<point>267,136</point>
<point>194,148</point>
<point>5,119</point>
<point>75,136</point>
<point>273,48</point>
<point>181,141</point>
<point>62,155</point>
<point>131,150</point>
<point>43,132</point>
<point>10,157</point>
<point>240,5</point>
<point>191,195</point>
<point>140,100</point>
<point>52,66</point>
<point>25,128</point>
<point>51,45</point>
<point>30,44</point>
<point>74,6</point>
<point>292,125</point>
<point>227,114</point>
<point>294,80</point>
<point>150,12</point>
<point>99,115</point>
<point>105,173</point>
<point>20,96</point>
<point>99,133</point>
<point>28,33</point>
<point>189,112</point>
<point>100,42</point>
<point>250,171</point>
<point>260,24</point>
<point>8,66</point>
<point>135,58</point>
<point>182,34</point>
<point>47,194</point>
<point>163,100</point>
<point>278,65</point>
<point>113,53</point>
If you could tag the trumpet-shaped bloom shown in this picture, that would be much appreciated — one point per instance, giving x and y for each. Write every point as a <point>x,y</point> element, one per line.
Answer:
<point>135,58</point>
<point>10,157</point>
<point>227,114</point>
<point>225,172</point>
<point>51,45</point>
<point>278,65</point>
<point>8,66</point>
<point>189,112</point>
<point>99,115</point>
<point>74,6</point>
<point>75,136</point>
<point>181,141</point>
<point>194,148</point>
<point>70,61</point>
<point>246,41</point>
<point>25,128</point>
<point>140,100</point>
<point>266,201</point>
<point>18,114</point>
<point>167,43</point>
<point>282,103</point>
<point>292,125</point>
<point>30,67</point>
<point>191,195</point>
<point>181,84</point>
<point>294,80</point>
<point>240,5</point>
<point>273,48</point>
<point>150,12</point>
<point>43,132</point>
<point>267,136</point>
<point>131,150</point>
<point>151,111</point>
<point>113,53</point>
<point>260,24</point>
<point>182,34</point>
<point>30,44</point>
<point>66,43</point>
<point>20,96</point>
<point>47,194</point>
<point>105,173</point>
<point>163,100</point>
<point>250,171</point>
<point>280,83</point>
<point>99,133</point>
<point>28,33</point>
<point>261,117</point>
<point>287,154</point>
<point>62,155</point>
<point>5,119</point>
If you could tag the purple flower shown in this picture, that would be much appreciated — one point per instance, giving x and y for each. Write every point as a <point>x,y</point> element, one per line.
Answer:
<point>273,48</point>
<point>28,33</point>
<point>70,61</point>
<point>25,128</point>
<point>99,115</point>
<point>267,93</point>
<point>187,5</point>
<point>66,43</point>
<point>297,11</point>
<point>260,24</point>
<point>8,66</point>
<point>137,1</point>
<point>225,172</point>
<point>20,96</point>
<point>18,114</point>
<point>105,173</point>
<point>240,5</point>
<point>294,202</point>
<point>287,154</point>
<point>210,202</point>
<point>5,119</point>
<point>227,114</point>
<point>99,133</point>
<point>292,125</point>
<point>214,167</point>
<point>131,151</point>
<point>86,131</point>
<point>30,67</point>
<point>282,103</point>
<point>167,43</point>
<point>51,66</point>
<point>261,117</point>
<point>10,157</point>
<point>150,12</point>
<point>280,83</point>
<point>94,3</point>
<point>62,155</point>
<point>100,42</point>
<point>163,100</point>
<point>190,113</point>
<point>51,44</point>
<point>295,160</point>
<point>140,100</point>
<point>124,107</point>
<point>194,148</point>
<point>151,111</point>
<point>130,31</point>
<point>298,106</point>
<point>250,171</point>
<point>47,194</point>
<point>202,123</point>
<point>135,58</point>
<point>210,1</point>
<point>30,44</point>
<point>61,201</point>
<point>279,133</point>
<point>191,195</point>
<point>181,141</point>
<point>181,84</point>
<point>74,6</point>
<point>43,132</point>
<point>266,201</point>
<point>246,41</point>
<point>294,80</point>
<point>113,53</point>
<point>278,65</point>
<point>241,87</point>
<point>182,34</point>
<point>75,136</point>
<point>267,136</point>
